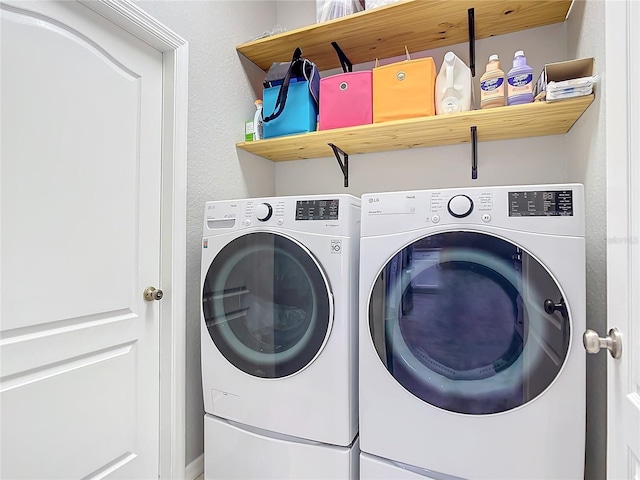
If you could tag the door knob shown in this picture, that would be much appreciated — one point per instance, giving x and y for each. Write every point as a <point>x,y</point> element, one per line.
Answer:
<point>152,293</point>
<point>612,342</point>
<point>550,307</point>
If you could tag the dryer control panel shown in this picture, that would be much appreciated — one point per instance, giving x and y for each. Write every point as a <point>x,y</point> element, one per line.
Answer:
<point>549,209</point>
<point>541,203</point>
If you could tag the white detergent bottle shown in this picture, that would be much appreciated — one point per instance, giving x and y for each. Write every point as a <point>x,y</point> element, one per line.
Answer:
<point>453,86</point>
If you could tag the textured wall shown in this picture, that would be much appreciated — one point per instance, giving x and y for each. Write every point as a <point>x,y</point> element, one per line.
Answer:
<point>294,14</point>
<point>222,87</point>
<point>587,164</point>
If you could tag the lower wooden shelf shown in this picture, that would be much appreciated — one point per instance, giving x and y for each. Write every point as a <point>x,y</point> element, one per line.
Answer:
<point>503,123</point>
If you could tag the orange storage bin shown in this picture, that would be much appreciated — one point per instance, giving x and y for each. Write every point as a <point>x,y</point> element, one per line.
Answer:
<point>404,89</point>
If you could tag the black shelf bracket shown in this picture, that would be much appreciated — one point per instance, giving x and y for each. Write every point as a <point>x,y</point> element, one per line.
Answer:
<point>472,40</point>
<point>344,164</point>
<point>474,152</point>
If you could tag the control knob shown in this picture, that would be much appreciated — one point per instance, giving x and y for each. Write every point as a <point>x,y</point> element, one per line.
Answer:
<point>460,206</point>
<point>263,212</point>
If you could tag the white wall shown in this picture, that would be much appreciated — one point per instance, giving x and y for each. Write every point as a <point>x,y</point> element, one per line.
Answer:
<point>587,164</point>
<point>222,87</point>
<point>294,14</point>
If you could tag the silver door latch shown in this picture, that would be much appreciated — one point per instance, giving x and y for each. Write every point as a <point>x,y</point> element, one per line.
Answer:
<point>612,342</point>
<point>152,293</point>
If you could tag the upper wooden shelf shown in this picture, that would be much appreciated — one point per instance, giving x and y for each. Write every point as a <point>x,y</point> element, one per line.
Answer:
<point>419,24</point>
<point>517,121</point>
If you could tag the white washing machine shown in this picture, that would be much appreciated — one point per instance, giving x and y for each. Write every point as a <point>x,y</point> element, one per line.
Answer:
<point>472,310</point>
<point>279,325</point>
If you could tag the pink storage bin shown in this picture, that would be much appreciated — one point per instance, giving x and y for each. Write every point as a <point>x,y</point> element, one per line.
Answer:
<point>346,100</point>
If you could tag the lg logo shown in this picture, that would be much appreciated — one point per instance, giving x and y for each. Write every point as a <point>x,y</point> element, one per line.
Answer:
<point>374,200</point>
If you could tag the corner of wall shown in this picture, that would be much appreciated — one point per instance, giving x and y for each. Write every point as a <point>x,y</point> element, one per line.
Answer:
<point>587,165</point>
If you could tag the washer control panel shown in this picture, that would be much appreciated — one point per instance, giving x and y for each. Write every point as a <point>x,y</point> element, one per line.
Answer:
<point>334,214</point>
<point>317,209</point>
<point>303,210</point>
<point>260,212</point>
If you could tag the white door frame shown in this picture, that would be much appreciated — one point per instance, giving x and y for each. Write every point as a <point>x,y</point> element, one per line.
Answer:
<point>623,229</point>
<point>175,59</point>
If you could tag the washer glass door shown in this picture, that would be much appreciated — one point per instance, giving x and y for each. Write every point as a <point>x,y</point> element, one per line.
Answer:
<point>469,322</point>
<point>267,305</point>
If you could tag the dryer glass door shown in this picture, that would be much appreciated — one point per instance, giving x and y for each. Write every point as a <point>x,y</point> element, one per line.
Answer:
<point>267,305</point>
<point>469,322</point>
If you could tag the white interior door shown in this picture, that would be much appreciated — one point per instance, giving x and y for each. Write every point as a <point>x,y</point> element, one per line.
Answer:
<point>623,234</point>
<point>80,241</point>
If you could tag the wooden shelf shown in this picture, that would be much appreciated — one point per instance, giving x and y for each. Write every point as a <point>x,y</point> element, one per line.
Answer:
<point>518,121</point>
<point>419,24</point>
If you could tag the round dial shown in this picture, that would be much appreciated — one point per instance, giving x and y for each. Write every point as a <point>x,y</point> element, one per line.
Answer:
<point>263,212</point>
<point>460,206</point>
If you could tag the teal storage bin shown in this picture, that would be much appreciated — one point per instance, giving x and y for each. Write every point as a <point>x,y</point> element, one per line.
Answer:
<point>300,112</point>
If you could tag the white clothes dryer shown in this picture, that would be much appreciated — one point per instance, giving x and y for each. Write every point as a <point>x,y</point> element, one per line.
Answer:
<point>279,315</point>
<point>472,310</point>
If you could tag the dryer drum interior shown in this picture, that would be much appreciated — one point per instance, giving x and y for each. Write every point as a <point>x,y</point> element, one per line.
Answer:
<point>266,304</point>
<point>459,320</point>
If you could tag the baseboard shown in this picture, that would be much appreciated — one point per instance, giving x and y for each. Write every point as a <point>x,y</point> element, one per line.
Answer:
<point>195,468</point>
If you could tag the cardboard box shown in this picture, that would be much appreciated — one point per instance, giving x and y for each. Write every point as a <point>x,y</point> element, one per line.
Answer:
<point>561,71</point>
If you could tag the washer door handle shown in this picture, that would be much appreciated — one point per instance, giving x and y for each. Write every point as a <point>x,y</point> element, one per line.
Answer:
<point>612,342</point>
<point>550,307</point>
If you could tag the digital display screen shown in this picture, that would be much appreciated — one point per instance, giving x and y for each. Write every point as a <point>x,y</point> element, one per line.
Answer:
<point>317,210</point>
<point>541,204</point>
